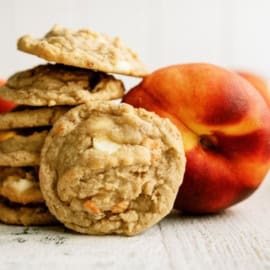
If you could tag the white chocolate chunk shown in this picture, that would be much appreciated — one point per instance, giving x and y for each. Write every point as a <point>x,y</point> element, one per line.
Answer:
<point>105,145</point>
<point>22,184</point>
<point>123,65</point>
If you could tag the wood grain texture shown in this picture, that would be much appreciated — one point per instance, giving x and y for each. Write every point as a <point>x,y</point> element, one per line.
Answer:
<point>236,239</point>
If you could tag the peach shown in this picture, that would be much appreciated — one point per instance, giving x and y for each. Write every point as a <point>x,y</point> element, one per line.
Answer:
<point>5,106</point>
<point>224,124</point>
<point>2,82</point>
<point>259,83</point>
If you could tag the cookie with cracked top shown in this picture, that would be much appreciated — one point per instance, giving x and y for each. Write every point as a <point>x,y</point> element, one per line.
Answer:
<point>52,85</point>
<point>86,49</point>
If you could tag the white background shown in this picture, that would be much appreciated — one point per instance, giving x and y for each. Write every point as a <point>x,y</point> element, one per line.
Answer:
<point>231,33</point>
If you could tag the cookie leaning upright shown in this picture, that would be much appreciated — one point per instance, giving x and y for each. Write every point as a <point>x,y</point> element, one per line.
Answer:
<point>86,49</point>
<point>111,169</point>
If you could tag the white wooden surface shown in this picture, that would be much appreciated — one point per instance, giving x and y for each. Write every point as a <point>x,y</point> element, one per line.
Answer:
<point>237,239</point>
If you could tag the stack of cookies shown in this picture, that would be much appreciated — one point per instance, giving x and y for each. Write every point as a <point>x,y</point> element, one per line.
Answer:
<point>79,74</point>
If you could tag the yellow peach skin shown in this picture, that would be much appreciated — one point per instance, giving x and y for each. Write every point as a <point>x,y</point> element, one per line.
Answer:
<point>222,118</point>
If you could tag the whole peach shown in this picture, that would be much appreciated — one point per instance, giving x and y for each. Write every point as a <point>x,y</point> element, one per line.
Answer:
<point>224,123</point>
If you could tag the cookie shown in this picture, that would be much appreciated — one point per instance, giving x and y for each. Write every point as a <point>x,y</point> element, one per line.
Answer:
<point>51,85</point>
<point>18,149</point>
<point>29,117</point>
<point>20,185</point>
<point>111,169</point>
<point>16,214</point>
<point>86,49</point>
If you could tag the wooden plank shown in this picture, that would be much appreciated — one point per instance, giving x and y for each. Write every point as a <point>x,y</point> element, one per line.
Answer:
<point>239,238</point>
<point>236,239</point>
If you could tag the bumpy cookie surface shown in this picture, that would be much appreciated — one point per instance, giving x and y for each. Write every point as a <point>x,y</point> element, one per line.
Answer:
<point>50,85</point>
<point>111,169</point>
<point>31,117</point>
<point>18,150</point>
<point>17,214</point>
<point>20,185</point>
<point>86,49</point>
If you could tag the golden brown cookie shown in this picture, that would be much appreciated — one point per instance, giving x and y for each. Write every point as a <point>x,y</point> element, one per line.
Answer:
<point>111,169</point>
<point>20,185</point>
<point>51,85</point>
<point>30,117</point>
<point>18,148</point>
<point>86,49</point>
<point>16,214</point>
